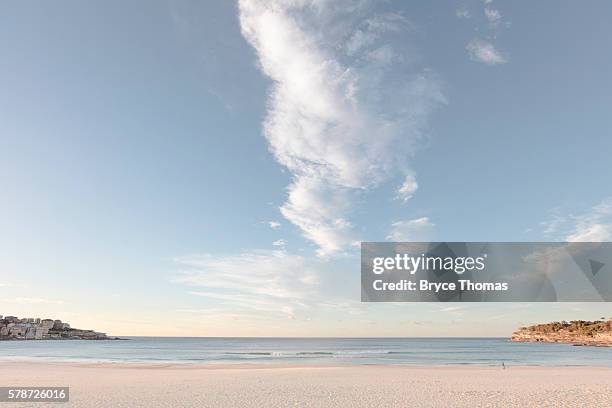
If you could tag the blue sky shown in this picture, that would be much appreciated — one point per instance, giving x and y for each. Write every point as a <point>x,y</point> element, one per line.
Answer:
<point>146,148</point>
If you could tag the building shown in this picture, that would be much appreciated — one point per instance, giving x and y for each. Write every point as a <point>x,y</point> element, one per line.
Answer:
<point>30,333</point>
<point>31,328</point>
<point>47,323</point>
<point>18,330</point>
<point>40,333</point>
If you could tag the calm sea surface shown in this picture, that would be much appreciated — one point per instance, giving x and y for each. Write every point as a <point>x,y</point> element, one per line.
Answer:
<point>332,351</point>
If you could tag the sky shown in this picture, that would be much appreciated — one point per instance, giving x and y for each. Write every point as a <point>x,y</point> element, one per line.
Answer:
<point>188,168</point>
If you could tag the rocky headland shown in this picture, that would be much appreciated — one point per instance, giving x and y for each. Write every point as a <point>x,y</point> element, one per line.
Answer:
<point>577,332</point>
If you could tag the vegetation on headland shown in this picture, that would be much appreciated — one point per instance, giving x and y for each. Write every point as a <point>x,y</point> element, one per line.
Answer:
<point>578,332</point>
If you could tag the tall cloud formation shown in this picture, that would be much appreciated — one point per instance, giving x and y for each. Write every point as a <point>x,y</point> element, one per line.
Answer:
<point>346,107</point>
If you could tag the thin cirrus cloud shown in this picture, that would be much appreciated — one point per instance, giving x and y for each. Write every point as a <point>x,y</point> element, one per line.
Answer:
<point>265,281</point>
<point>346,106</point>
<point>594,225</point>
<point>29,301</point>
<point>279,243</point>
<point>463,13</point>
<point>419,229</point>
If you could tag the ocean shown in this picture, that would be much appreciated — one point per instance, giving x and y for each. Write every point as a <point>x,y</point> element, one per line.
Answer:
<point>309,351</point>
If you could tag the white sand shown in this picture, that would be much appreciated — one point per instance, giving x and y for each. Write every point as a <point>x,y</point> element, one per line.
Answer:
<point>131,385</point>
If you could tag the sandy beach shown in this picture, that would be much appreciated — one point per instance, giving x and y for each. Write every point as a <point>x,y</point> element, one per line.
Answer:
<point>136,385</point>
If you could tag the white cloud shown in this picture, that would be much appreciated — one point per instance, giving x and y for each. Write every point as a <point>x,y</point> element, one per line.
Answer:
<point>592,233</point>
<point>345,110</point>
<point>555,223</point>
<point>419,229</point>
<point>485,52</point>
<point>463,13</point>
<point>493,16</point>
<point>274,224</point>
<point>408,188</point>
<point>454,310</point>
<point>279,243</point>
<point>267,281</point>
<point>594,225</point>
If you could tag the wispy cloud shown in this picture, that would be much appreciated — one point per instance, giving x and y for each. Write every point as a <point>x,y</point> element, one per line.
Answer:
<point>222,314</point>
<point>12,285</point>
<point>420,322</point>
<point>274,224</point>
<point>279,243</point>
<point>266,284</point>
<point>338,79</point>
<point>592,233</point>
<point>493,16</point>
<point>270,281</point>
<point>483,49</point>
<point>408,188</point>
<point>594,225</point>
<point>463,13</point>
<point>452,308</point>
<point>419,229</point>
<point>28,300</point>
<point>485,52</point>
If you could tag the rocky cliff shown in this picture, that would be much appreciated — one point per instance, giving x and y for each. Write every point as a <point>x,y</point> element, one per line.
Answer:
<point>579,332</point>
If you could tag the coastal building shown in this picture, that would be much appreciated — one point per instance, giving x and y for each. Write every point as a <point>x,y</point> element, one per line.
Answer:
<point>18,330</point>
<point>40,333</point>
<point>47,323</point>
<point>13,328</point>
<point>30,333</point>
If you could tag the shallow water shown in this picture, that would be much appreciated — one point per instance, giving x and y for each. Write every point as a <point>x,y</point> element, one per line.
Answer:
<point>333,351</point>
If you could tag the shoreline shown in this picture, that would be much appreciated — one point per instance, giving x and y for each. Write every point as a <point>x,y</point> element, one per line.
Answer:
<point>189,365</point>
<point>576,343</point>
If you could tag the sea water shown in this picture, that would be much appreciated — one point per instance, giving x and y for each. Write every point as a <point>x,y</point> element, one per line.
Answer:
<point>309,351</point>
